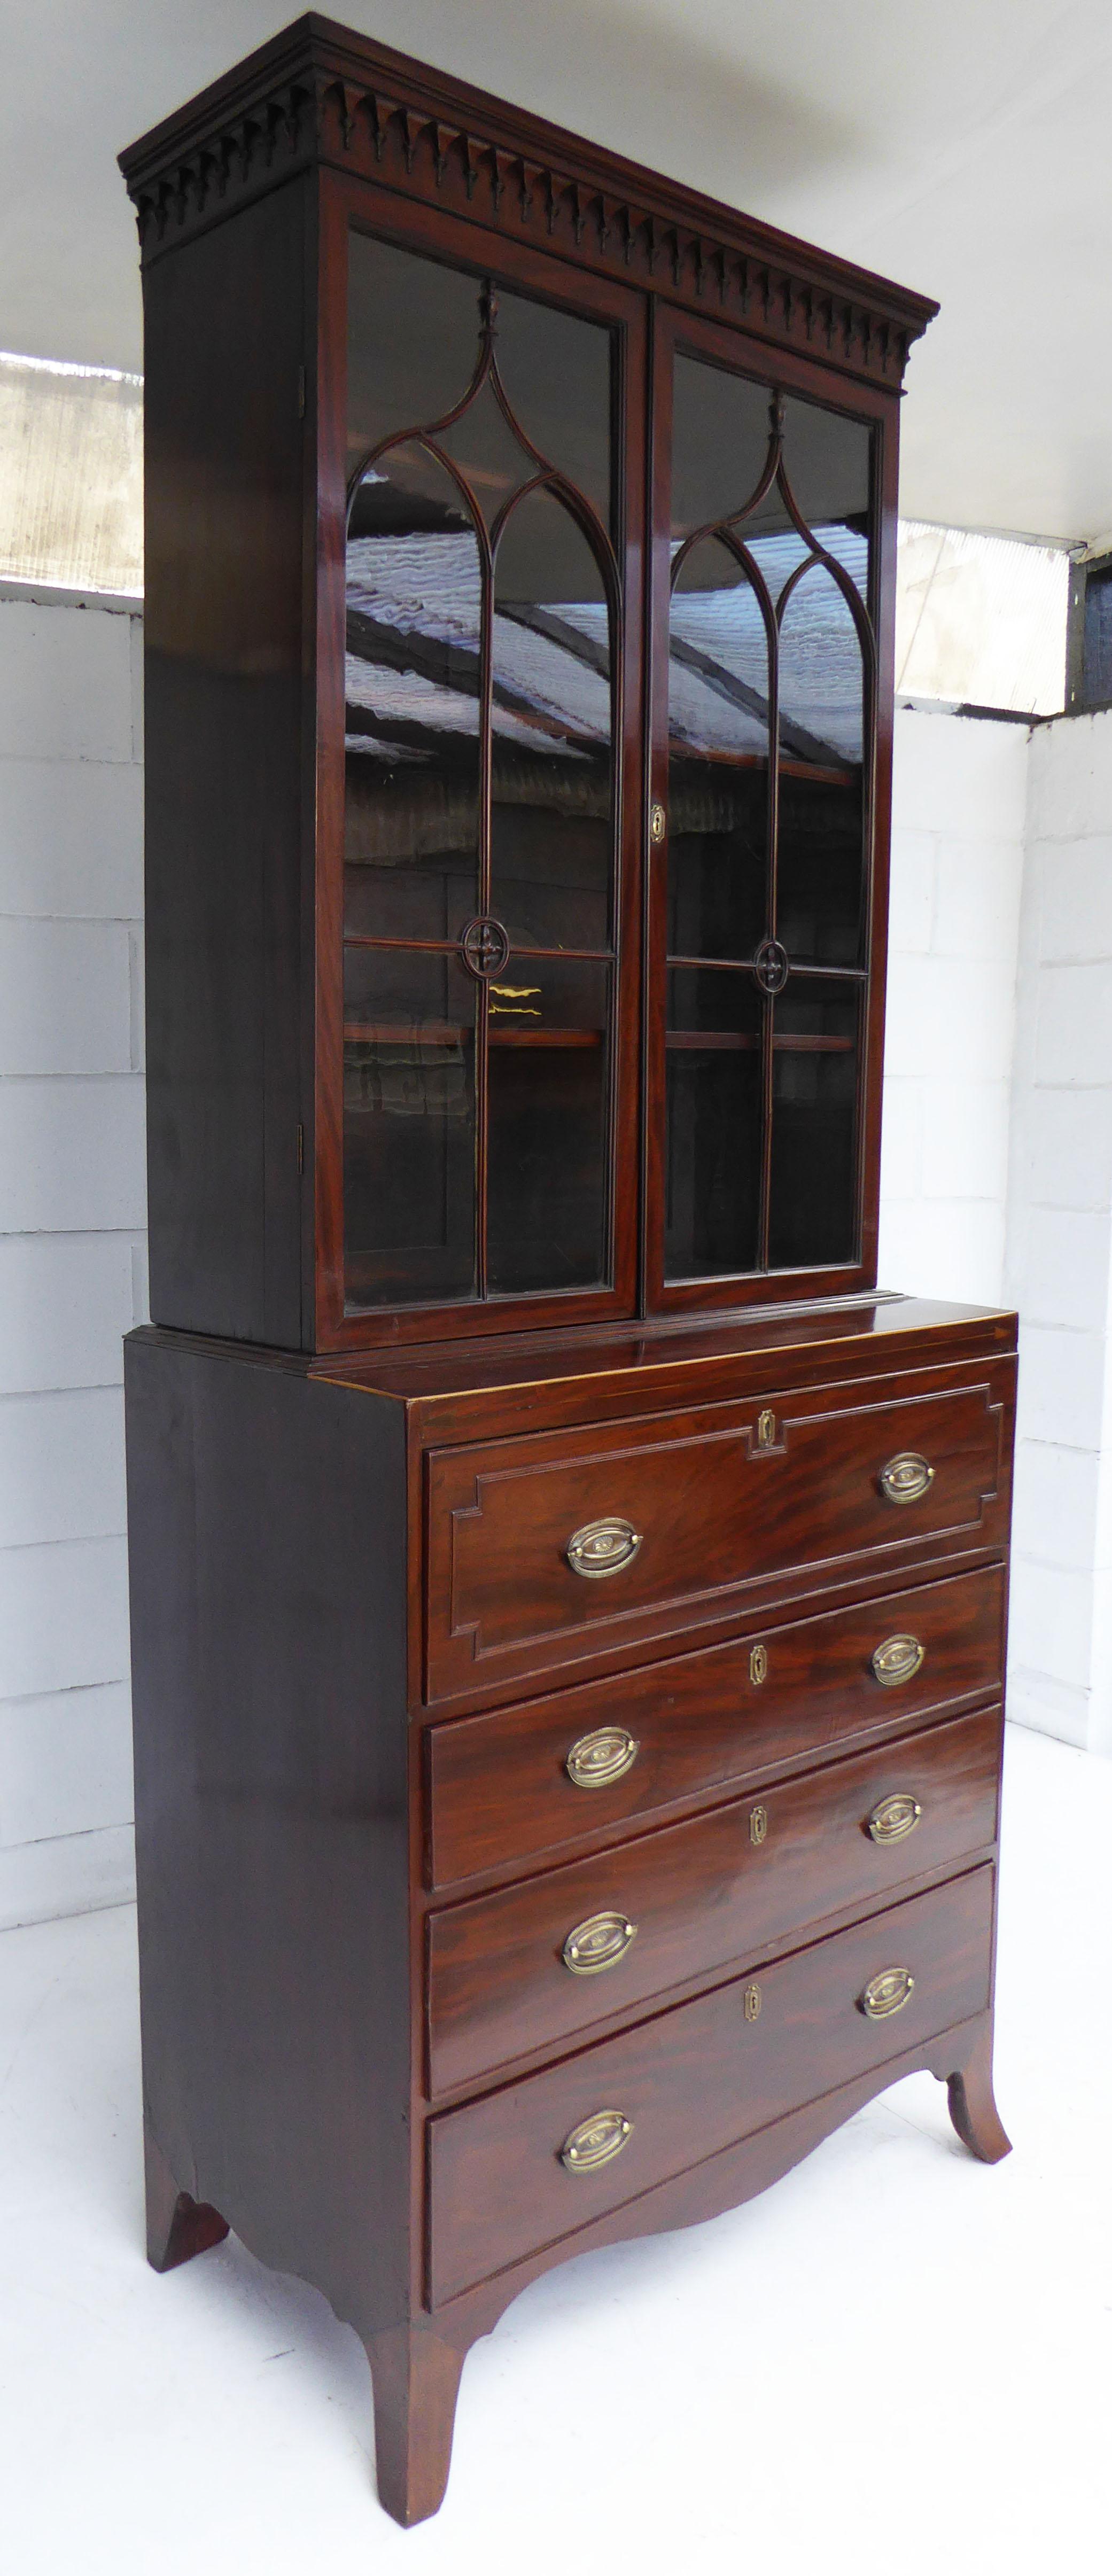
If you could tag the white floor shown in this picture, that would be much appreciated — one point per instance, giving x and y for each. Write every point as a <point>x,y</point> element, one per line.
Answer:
<point>897,2359</point>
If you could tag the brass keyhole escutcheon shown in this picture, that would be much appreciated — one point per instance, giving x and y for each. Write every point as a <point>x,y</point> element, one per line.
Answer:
<point>766,1429</point>
<point>758,1825</point>
<point>758,1665</point>
<point>658,825</point>
<point>752,2003</point>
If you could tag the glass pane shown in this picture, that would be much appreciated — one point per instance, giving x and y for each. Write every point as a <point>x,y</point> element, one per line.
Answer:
<point>717,760</point>
<point>552,831</point>
<point>556,370</point>
<point>813,1217</point>
<point>721,426</point>
<point>484,447</point>
<point>547,1193</point>
<point>413,341</point>
<point>714,1109</point>
<point>412,718</point>
<point>820,908</point>
<point>409,1127</point>
<point>827,459</point>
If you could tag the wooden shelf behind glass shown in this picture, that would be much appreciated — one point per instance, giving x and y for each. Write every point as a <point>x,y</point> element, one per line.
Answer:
<point>448,1033</point>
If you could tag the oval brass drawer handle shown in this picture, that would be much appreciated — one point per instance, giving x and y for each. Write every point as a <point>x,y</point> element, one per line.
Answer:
<point>602,1547</point>
<point>898,1660</point>
<point>595,2141</point>
<point>887,1992</point>
<point>597,1944</point>
<point>906,1478</point>
<point>596,1761</point>
<point>894,1818</point>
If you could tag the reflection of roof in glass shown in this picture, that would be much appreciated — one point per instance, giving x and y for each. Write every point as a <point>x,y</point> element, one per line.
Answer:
<point>722,631</point>
<point>422,593</point>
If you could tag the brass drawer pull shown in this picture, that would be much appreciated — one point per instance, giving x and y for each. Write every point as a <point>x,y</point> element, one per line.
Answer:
<point>894,1818</point>
<point>887,1992</point>
<point>906,1478</point>
<point>602,1547</point>
<point>597,1944</point>
<point>596,1761</point>
<point>595,2141</point>
<point>898,1660</point>
<point>758,1665</point>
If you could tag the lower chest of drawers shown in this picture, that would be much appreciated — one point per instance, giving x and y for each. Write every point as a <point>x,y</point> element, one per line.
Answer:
<point>533,1966</point>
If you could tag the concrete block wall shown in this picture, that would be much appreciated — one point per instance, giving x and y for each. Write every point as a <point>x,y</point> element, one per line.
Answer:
<point>959,798</point>
<point>1059,1248</point>
<point>72,1213</point>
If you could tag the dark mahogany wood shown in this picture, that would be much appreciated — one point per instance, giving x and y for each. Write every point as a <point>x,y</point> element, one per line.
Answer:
<point>718,1513</point>
<point>694,2081</point>
<point>244,202</point>
<point>267,1585</point>
<point>178,2227</point>
<point>360,1656</point>
<point>700,1896</point>
<point>973,2103</point>
<point>415,2377</point>
<point>499,1793</point>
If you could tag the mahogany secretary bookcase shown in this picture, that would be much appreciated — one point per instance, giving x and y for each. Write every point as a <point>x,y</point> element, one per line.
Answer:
<point>568,1597</point>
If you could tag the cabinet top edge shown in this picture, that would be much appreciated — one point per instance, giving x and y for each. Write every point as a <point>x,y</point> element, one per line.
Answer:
<point>862,1334</point>
<point>318,92</point>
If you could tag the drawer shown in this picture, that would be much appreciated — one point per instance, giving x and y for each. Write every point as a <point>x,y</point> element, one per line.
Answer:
<point>499,1789</point>
<point>544,1551</point>
<point>507,1974</point>
<point>694,2080</point>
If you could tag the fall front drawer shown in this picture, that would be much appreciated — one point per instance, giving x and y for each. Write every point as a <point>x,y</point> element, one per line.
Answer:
<point>539,2159</point>
<point>534,1965</point>
<point>547,1550</point>
<point>506,1786</point>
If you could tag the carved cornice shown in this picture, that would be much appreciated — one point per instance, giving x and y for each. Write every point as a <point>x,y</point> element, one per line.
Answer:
<point>320,95</point>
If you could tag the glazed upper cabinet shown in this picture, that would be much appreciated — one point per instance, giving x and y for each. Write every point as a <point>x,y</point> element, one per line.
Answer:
<point>520,565</point>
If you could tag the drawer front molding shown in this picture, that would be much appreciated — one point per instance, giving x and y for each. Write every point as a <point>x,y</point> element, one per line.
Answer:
<point>507,1786</point>
<point>692,1899</point>
<point>706,2075</point>
<point>693,1515</point>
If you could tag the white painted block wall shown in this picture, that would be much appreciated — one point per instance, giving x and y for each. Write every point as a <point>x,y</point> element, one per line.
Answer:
<point>959,794</point>
<point>72,1267</point>
<point>1059,1252</point>
<point>72,1274</point>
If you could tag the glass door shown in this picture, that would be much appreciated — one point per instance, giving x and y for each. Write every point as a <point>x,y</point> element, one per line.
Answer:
<point>486,622</point>
<point>765,702</point>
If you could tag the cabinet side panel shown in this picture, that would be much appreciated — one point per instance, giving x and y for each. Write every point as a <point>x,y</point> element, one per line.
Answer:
<point>224,537</point>
<point>268,1559</point>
